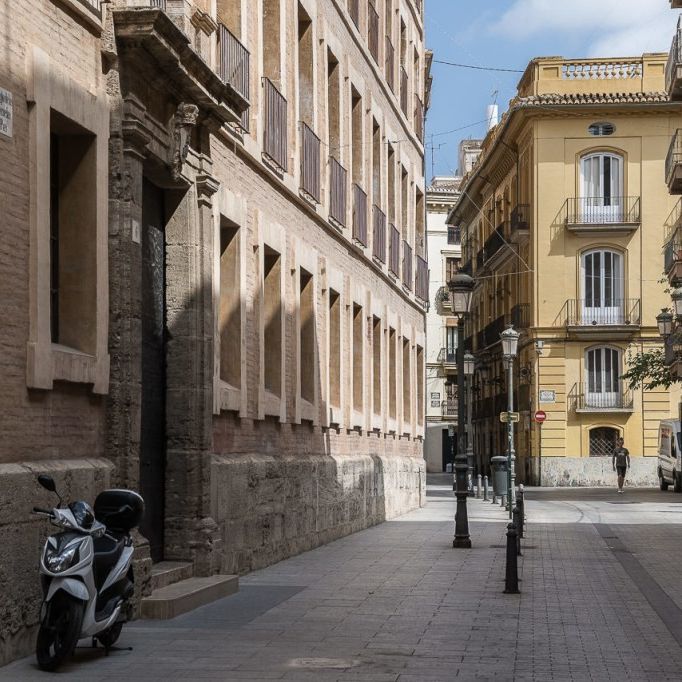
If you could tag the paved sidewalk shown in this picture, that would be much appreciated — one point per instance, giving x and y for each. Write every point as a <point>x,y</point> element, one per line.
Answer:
<point>397,603</point>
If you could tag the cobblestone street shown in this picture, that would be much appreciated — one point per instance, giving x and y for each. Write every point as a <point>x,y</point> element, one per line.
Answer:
<point>600,600</point>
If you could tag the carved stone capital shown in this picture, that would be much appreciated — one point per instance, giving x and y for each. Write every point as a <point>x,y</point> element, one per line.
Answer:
<point>185,118</point>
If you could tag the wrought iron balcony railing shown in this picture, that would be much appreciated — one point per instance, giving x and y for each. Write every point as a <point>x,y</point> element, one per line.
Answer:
<point>394,250</point>
<point>594,396</point>
<point>407,265</point>
<point>419,117</point>
<point>454,235</point>
<point>520,221</point>
<point>421,283</point>
<point>310,163</point>
<point>447,356</point>
<point>494,243</point>
<point>354,11</point>
<point>338,188</point>
<point>161,4</point>
<point>673,163</point>
<point>520,316</point>
<point>493,330</point>
<point>234,66</point>
<point>359,214</point>
<point>275,129</point>
<point>590,313</point>
<point>449,407</point>
<point>390,64</point>
<point>378,234</point>
<point>403,90</point>
<point>480,259</point>
<point>373,31</point>
<point>673,251</point>
<point>672,76</point>
<point>602,210</point>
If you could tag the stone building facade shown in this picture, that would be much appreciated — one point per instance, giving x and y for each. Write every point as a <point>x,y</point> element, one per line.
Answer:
<point>561,221</point>
<point>213,273</point>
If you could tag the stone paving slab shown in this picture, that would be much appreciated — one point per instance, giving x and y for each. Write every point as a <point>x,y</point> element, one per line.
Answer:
<point>396,602</point>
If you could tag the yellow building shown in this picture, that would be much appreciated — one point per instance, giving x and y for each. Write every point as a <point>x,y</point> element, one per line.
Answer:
<point>562,221</point>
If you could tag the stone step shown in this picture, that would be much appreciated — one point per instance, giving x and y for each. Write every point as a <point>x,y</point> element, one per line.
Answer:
<point>186,595</point>
<point>166,573</point>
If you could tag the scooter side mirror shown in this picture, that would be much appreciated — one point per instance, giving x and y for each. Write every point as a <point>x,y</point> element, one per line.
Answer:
<point>47,482</point>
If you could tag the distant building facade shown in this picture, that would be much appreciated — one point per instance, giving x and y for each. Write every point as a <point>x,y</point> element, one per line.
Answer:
<point>215,269</point>
<point>444,247</point>
<point>560,222</point>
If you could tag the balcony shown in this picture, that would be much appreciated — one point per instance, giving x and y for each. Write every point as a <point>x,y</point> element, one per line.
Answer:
<point>403,90</point>
<point>419,117</point>
<point>310,163</point>
<point>447,356</point>
<point>673,67</point>
<point>673,164</point>
<point>161,4</point>
<point>337,192</point>
<point>492,331</point>
<point>390,64</point>
<point>449,407</point>
<point>234,66</point>
<point>378,234</point>
<point>394,250</point>
<point>520,224</point>
<point>621,318</point>
<point>373,31</point>
<point>275,129</point>
<point>673,257</point>
<point>613,215</point>
<point>407,266</point>
<point>592,398</point>
<point>421,283</point>
<point>495,249</point>
<point>480,259</point>
<point>520,316</point>
<point>359,215</point>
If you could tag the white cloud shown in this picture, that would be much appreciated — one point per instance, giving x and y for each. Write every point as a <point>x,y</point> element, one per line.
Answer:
<point>616,28</point>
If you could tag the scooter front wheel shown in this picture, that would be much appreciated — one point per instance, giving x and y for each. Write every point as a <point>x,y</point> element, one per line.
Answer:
<point>59,631</point>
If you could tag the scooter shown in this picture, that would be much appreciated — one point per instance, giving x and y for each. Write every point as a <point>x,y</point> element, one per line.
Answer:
<point>86,572</point>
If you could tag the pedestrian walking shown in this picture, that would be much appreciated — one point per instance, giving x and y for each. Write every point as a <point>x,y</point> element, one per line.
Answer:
<point>621,462</point>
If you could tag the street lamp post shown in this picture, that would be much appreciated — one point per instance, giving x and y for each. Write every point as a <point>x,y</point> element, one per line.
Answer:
<point>461,288</point>
<point>469,367</point>
<point>510,342</point>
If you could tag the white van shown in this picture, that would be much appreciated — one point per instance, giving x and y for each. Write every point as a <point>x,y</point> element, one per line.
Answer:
<point>670,454</point>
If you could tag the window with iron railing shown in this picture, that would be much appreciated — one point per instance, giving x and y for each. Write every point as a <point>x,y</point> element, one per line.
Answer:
<point>422,279</point>
<point>451,268</point>
<point>337,191</point>
<point>390,64</point>
<point>373,31</point>
<point>403,90</point>
<point>407,265</point>
<point>454,235</point>
<point>310,163</point>
<point>234,67</point>
<point>378,234</point>
<point>419,117</point>
<point>359,215</point>
<point>354,11</point>
<point>275,128</point>
<point>394,250</point>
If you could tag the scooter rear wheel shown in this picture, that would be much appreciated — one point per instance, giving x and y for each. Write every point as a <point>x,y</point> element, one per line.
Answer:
<point>59,631</point>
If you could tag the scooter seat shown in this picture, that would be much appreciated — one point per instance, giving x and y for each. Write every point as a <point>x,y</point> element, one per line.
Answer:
<point>108,551</point>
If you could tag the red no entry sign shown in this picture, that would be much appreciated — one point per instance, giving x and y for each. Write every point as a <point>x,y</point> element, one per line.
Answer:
<point>540,416</point>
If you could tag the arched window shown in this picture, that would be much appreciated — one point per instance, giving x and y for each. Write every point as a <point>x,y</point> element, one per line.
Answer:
<point>602,284</point>
<point>602,378</point>
<point>601,188</point>
<point>603,441</point>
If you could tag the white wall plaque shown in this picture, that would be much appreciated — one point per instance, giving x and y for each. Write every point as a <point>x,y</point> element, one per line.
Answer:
<point>5,112</point>
<point>547,396</point>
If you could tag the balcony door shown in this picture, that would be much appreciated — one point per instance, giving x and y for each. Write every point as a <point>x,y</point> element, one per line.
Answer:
<point>602,282</point>
<point>602,377</point>
<point>601,188</point>
<point>451,344</point>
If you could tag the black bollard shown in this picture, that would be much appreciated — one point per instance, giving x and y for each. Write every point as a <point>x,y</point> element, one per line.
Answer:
<point>522,512</point>
<point>511,578</point>
<point>516,520</point>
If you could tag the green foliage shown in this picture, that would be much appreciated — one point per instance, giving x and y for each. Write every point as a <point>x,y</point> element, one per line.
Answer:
<point>648,370</point>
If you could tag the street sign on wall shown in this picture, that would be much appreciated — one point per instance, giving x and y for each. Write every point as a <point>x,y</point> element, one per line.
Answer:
<point>547,396</point>
<point>506,417</point>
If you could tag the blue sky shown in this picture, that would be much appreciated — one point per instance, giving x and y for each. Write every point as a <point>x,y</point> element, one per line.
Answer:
<point>507,34</point>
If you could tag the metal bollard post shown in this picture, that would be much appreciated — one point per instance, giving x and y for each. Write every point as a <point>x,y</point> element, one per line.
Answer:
<point>478,487</point>
<point>516,520</point>
<point>522,511</point>
<point>511,577</point>
<point>485,488</point>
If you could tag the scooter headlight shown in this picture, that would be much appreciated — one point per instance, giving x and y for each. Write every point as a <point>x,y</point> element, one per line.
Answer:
<point>58,561</point>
